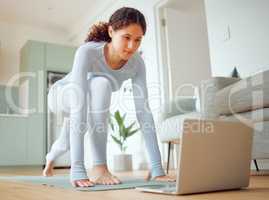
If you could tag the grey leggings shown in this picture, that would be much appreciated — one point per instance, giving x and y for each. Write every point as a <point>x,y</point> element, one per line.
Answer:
<point>58,101</point>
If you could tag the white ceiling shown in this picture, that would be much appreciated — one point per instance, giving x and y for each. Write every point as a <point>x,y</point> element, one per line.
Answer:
<point>56,14</point>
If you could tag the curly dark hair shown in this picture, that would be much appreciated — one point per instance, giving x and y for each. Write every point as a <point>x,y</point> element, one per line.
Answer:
<point>121,18</point>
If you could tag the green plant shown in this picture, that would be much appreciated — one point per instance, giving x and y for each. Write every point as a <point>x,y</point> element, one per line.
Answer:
<point>121,132</point>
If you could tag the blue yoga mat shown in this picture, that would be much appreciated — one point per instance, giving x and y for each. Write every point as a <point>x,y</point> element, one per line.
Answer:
<point>63,182</point>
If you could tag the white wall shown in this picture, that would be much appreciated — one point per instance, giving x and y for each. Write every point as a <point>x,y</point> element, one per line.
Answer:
<point>248,45</point>
<point>13,37</point>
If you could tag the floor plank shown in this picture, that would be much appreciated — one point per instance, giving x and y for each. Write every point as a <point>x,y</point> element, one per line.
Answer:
<point>258,189</point>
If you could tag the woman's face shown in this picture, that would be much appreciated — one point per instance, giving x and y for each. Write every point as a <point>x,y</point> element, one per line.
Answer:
<point>126,41</point>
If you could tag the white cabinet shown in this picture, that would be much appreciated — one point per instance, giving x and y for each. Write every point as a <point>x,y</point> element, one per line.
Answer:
<point>23,139</point>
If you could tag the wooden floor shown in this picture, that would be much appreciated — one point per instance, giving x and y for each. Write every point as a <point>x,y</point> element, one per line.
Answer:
<point>258,190</point>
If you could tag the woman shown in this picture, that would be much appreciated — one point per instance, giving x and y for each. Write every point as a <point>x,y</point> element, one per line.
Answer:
<point>108,58</point>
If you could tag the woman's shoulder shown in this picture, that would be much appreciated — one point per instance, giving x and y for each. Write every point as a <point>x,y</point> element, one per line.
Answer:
<point>93,44</point>
<point>90,47</point>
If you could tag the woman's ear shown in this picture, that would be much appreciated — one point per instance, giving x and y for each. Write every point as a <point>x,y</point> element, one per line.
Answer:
<point>110,31</point>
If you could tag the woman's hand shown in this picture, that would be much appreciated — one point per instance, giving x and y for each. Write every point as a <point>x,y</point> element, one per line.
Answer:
<point>164,178</point>
<point>160,178</point>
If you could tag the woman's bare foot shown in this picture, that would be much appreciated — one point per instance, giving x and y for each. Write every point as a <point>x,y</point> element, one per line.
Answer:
<point>101,175</point>
<point>164,178</point>
<point>48,170</point>
<point>82,183</point>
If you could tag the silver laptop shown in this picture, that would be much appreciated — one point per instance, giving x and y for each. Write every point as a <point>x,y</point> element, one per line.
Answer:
<point>213,155</point>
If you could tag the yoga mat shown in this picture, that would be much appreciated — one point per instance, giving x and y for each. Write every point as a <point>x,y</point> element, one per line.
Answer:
<point>62,181</point>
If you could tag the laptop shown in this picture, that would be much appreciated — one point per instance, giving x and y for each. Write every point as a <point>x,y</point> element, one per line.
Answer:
<point>214,155</point>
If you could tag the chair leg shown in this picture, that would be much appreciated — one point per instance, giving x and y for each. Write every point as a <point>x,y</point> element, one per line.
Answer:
<point>256,165</point>
<point>168,157</point>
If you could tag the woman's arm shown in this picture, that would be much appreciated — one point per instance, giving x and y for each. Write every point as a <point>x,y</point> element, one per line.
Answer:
<point>78,111</point>
<point>145,119</point>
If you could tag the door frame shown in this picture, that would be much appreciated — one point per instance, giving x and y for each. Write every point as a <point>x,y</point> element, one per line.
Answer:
<point>163,53</point>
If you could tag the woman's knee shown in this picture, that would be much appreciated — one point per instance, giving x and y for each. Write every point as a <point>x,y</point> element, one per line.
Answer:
<point>52,99</point>
<point>57,101</point>
<point>100,90</point>
<point>100,84</point>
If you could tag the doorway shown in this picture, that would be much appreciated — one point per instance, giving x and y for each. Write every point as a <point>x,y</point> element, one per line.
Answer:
<point>183,46</point>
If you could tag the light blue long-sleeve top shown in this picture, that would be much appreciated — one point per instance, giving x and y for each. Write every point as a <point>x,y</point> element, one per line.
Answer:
<point>90,61</point>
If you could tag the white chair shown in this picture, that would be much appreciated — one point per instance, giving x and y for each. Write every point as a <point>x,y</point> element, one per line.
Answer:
<point>227,99</point>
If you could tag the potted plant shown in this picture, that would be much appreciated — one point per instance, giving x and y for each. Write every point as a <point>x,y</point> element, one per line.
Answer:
<point>122,161</point>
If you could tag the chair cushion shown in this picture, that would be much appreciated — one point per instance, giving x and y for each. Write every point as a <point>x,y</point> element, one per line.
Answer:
<point>178,106</point>
<point>171,128</point>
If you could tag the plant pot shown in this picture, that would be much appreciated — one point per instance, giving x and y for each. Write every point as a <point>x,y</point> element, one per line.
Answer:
<point>122,162</point>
